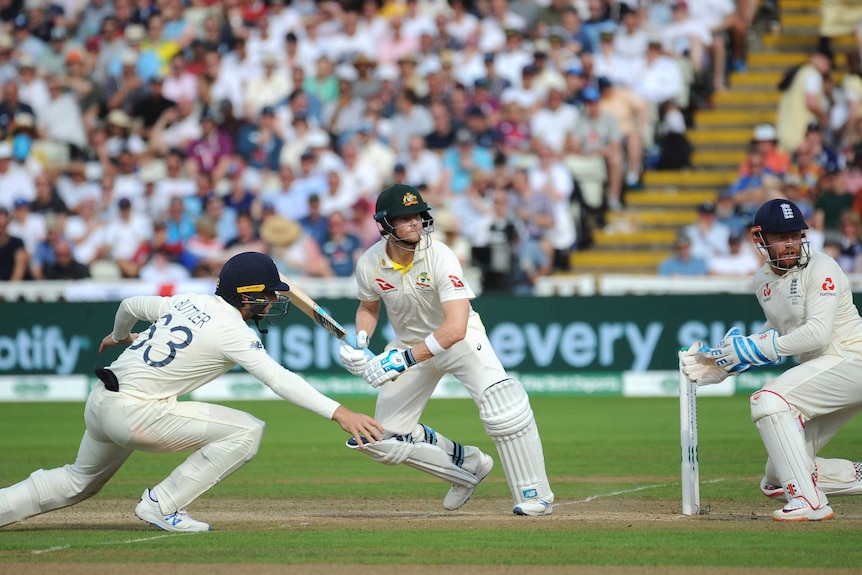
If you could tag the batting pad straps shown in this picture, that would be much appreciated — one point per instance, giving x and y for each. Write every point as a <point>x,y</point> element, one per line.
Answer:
<point>505,411</point>
<point>781,431</point>
<point>422,456</point>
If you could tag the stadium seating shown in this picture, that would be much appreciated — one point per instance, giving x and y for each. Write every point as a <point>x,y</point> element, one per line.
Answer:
<point>642,235</point>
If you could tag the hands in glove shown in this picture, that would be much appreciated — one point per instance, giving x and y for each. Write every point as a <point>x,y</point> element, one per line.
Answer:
<point>699,361</point>
<point>753,351</point>
<point>698,365</point>
<point>387,366</point>
<point>355,358</point>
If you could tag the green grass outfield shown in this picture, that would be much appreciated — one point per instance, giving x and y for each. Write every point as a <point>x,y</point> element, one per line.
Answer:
<point>614,465</point>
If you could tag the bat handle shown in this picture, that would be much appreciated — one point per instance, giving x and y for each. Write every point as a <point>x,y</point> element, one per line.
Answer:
<point>350,340</point>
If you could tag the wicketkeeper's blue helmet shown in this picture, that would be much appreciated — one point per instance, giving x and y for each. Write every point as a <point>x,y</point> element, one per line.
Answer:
<point>780,216</point>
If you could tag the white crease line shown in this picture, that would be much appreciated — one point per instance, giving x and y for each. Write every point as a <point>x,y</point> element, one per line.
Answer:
<point>139,540</point>
<point>624,491</point>
<point>49,549</point>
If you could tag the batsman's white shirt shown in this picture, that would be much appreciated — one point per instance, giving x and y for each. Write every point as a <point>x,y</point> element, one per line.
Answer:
<point>194,339</point>
<point>413,295</point>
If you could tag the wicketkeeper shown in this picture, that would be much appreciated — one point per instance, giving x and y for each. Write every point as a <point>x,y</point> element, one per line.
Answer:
<point>810,314</point>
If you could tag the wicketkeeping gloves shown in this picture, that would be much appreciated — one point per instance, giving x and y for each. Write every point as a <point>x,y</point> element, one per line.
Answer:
<point>753,350</point>
<point>355,358</point>
<point>699,362</point>
<point>387,366</point>
<point>698,365</point>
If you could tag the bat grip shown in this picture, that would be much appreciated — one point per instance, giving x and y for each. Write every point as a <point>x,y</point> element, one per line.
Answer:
<point>350,340</point>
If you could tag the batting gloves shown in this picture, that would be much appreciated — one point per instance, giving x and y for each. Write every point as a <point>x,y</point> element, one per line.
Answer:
<point>355,358</point>
<point>387,366</point>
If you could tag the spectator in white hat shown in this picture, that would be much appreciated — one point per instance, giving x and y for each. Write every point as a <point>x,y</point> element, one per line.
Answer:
<point>31,87</point>
<point>765,141</point>
<point>270,89</point>
<point>62,120</point>
<point>15,180</point>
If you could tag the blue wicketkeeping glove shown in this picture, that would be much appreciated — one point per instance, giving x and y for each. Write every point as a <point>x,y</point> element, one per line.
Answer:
<point>715,352</point>
<point>752,351</point>
<point>387,366</point>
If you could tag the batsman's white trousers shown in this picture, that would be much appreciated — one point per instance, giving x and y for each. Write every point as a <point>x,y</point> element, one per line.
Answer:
<point>827,393</point>
<point>472,361</point>
<point>118,424</point>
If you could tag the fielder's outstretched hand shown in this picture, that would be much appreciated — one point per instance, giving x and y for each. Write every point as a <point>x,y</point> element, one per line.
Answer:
<point>108,341</point>
<point>363,428</point>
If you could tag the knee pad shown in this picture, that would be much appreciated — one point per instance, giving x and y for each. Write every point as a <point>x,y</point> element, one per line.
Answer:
<point>505,409</point>
<point>765,403</point>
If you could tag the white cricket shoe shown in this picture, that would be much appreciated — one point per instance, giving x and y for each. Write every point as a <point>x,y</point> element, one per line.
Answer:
<point>771,491</point>
<point>459,494</point>
<point>798,509</point>
<point>148,511</point>
<point>535,507</point>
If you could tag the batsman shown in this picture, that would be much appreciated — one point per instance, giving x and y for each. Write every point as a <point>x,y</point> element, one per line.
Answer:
<point>810,314</point>
<point>422,285</point>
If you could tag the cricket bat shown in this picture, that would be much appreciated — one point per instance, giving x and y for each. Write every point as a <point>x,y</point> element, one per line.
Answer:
<point>320,316</point>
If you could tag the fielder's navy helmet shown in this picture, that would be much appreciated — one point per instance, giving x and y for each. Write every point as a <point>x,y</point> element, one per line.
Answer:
<point>779,216</point>
<point>245,279</point>
<point>249,272</point>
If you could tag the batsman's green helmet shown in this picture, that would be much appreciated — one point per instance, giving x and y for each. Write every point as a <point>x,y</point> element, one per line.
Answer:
<point>399,200</point>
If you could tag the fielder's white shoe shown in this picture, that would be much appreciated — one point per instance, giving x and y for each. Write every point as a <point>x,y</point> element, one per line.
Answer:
<point>772,491</point>
<point>459,495</point>
<point>148,511</point>
<point>798,509</point>
<point>535,507</point>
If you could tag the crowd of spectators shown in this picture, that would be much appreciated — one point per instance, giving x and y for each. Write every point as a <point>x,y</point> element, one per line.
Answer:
<point>812,156</point>
<point>156,138</point>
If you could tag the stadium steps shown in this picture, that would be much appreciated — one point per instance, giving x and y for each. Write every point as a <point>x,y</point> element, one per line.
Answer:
<point>639,238</point>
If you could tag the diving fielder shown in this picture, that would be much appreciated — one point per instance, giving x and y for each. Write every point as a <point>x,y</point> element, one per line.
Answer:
<point>810,314</point>
<point>193,339</point>
<point>421,283</point>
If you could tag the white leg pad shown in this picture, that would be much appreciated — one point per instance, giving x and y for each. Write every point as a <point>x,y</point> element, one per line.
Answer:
<point>781,431</point>
<point>422,456</point>
<point>505,411</point>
